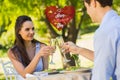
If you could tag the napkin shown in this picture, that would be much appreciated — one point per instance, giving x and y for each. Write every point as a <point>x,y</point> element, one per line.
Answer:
<point>29,75</point>
<point>40,73</point>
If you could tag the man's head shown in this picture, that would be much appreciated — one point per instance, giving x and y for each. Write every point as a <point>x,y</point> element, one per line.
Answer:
<point>102,2</point>
<point>95,8</point>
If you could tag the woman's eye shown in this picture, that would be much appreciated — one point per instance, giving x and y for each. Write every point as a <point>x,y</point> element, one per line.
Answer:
<point>27,29</point>
<point>33,28</point>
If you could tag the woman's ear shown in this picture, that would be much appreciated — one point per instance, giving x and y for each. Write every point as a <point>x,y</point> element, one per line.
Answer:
<point>19,32</point>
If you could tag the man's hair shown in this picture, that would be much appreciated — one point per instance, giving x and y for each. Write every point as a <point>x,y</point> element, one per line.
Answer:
<point>102,2</point>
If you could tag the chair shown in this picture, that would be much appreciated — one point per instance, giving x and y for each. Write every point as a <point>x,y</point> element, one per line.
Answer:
<point>8,69</point>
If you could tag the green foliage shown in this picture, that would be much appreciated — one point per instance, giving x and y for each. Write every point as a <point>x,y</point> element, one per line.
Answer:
<point>77,60</point>
<point>2,77</point>
<point>10,10</point>
<point>89,28</point>
<point>3,52</point>
<point>116,5</point>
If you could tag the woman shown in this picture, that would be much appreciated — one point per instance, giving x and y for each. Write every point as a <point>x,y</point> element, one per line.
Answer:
<point>27,54</point>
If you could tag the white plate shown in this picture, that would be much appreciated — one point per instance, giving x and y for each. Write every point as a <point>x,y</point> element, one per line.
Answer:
<point>43,73</point>
<point>40,73</point>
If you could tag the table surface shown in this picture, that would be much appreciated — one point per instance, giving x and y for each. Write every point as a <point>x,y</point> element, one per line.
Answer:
<point>63,76</point>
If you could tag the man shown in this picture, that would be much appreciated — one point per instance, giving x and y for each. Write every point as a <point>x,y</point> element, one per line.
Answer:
<point>106,41</point>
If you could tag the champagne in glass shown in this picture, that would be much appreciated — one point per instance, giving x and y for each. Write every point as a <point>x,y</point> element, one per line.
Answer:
<point>52,43</point>
<point>60,42</point>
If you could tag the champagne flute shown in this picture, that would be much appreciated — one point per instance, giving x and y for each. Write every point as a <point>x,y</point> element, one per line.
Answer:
<point>52,43</point>
<point>60,42</point>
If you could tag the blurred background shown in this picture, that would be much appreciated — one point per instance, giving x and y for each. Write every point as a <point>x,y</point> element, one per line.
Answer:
<point>80,30</point>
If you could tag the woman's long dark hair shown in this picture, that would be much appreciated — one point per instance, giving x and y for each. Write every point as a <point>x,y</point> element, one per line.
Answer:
<point>19,49</point>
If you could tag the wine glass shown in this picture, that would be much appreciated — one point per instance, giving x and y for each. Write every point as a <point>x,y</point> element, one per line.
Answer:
<point>52,43</point>
<point>60,42</point>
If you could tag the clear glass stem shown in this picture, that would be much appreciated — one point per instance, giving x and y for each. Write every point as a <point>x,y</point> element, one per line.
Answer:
<point>51,61</point>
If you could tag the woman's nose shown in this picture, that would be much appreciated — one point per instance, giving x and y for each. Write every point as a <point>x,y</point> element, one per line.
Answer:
<point>31,31</point>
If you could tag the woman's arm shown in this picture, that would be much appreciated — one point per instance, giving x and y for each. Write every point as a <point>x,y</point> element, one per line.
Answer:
<point>44,51</point>
<point>45,62</point>
<point>45,59</point>
<point>19,66</point>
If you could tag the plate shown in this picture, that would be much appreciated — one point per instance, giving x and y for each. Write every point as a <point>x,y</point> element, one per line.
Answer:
<point>83,70</point>
<point>40,73</point>
<point>78,70</point>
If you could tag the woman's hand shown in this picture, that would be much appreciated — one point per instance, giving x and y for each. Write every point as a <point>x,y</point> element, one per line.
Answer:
<point>46,51</point>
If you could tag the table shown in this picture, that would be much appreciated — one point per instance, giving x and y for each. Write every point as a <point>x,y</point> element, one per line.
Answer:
<point>63,76</point>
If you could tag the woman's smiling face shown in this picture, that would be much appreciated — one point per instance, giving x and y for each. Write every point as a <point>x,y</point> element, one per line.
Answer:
<point>27,31</point>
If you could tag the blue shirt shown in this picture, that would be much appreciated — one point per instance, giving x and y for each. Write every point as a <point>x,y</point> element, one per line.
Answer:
<point>39,66</point>
<point>107,48</point>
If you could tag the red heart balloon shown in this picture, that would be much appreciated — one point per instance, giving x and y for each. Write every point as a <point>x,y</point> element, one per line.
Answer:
<point>59,17</point>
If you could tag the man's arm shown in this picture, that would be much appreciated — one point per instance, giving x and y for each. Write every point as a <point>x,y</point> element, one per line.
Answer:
<point>71,47</point>
<point>89,54</point>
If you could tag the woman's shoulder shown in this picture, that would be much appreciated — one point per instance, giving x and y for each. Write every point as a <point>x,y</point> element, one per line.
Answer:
<point>10,50</point>
<point>10,53</point>
<point>40,43</point>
